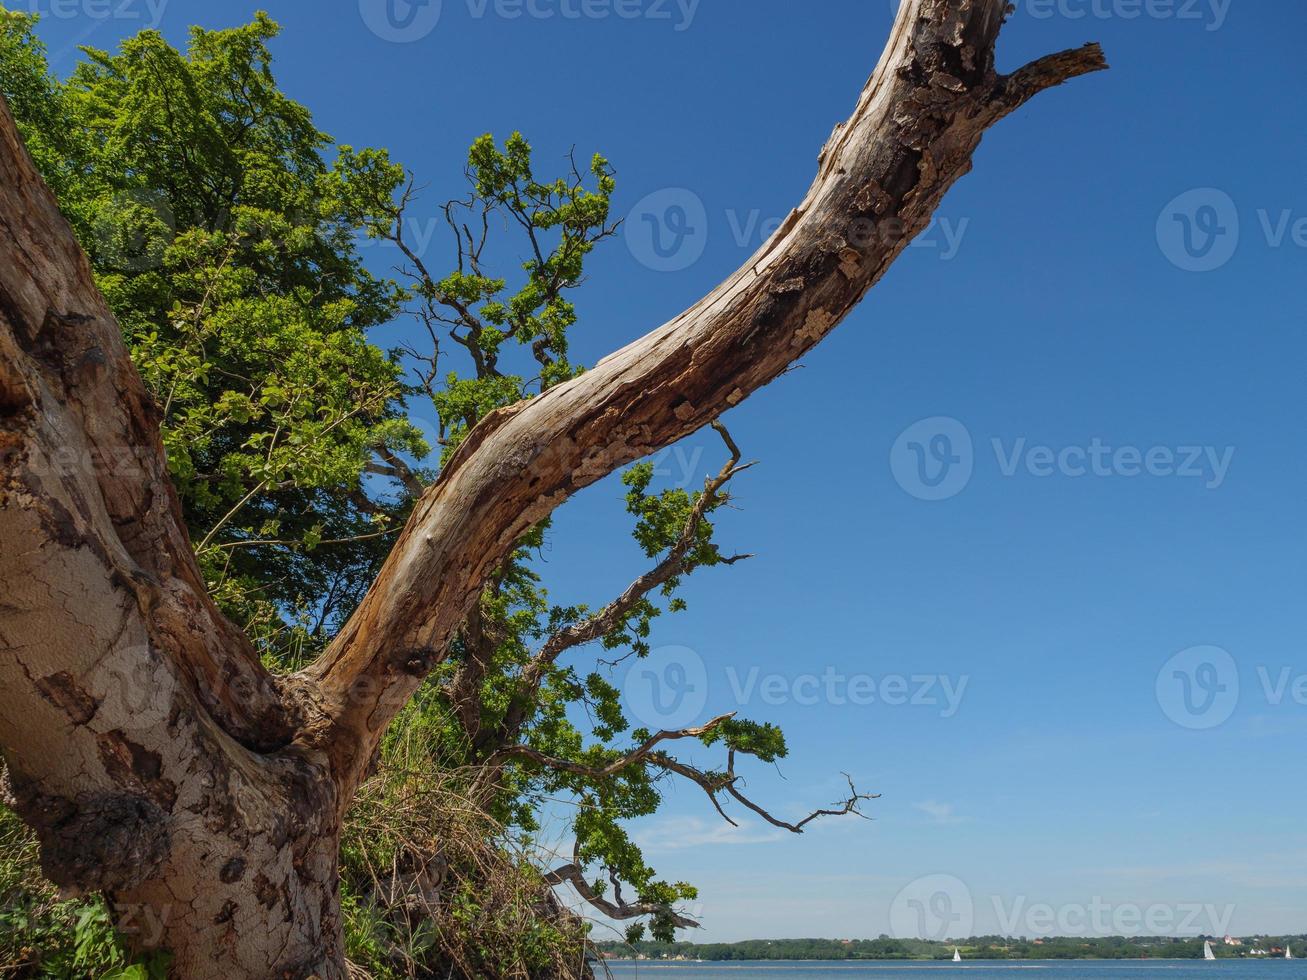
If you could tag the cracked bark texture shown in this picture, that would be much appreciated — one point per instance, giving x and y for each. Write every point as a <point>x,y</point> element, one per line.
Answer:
<point>153,755</point>
<point>145,744</point>
<point>881,177</point>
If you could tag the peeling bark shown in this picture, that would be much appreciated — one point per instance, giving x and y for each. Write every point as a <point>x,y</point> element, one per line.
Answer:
<point>881,177</point>
<point>145,744</point>
<point>153,755</point>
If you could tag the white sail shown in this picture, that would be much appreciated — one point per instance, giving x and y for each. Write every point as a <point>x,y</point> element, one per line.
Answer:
<point>1207,950</point>
<point>957,957</point>
<point>1288,952</point>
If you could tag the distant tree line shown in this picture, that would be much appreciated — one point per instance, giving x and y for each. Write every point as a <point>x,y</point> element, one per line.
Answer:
<point>977,947</point>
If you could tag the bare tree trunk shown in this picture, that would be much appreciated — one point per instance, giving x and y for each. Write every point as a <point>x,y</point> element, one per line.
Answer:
<point>148,748</point>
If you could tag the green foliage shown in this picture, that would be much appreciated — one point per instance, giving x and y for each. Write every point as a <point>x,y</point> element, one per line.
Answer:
<point>226,247</point>
<point>485,696</point>
<point>560,220</point>
<point>433,886</point>
<point>42,935</point>
<point>223,228</point>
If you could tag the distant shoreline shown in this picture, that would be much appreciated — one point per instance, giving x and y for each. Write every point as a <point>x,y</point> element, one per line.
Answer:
<point>984,949</point>
<point>1010,959</point>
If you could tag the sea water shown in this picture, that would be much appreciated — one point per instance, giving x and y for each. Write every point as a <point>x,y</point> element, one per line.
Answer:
<point>1243,969</point>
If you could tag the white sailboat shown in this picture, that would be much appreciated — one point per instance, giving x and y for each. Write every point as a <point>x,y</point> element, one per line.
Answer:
<point>1288,952</point>
<point>1207,950</point>
<point>957,957</point>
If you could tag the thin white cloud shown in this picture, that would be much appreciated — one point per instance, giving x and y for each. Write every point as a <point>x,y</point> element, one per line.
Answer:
<point>678,833</point>
<point>940,813</point>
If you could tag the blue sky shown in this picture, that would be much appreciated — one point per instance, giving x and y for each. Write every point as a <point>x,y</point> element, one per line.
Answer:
<point>1057,603</point>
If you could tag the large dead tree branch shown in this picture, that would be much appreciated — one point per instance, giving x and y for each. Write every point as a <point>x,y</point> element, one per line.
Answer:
<point>145,743</point>
<point>882,175</point>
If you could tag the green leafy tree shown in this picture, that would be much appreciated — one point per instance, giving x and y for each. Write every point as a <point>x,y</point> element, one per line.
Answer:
<point>519,710</point>
<point>459,694</point>
<point>228,248</point>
